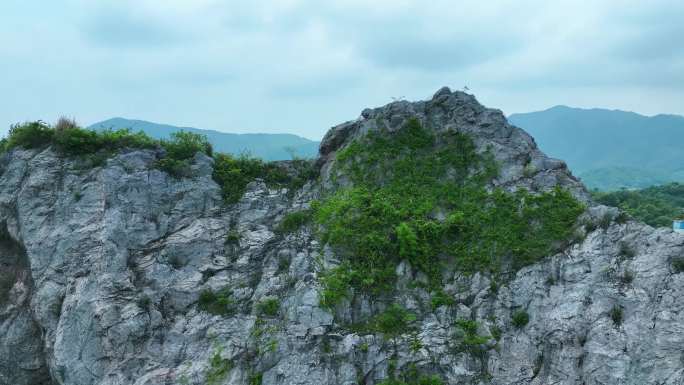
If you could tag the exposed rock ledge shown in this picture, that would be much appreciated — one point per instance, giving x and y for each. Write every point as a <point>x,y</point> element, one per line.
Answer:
<point>107,265</point>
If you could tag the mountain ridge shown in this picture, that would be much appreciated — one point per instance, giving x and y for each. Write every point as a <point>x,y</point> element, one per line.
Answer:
<point>123,273</point>
<point>594,141</point>
<point>268,146</point>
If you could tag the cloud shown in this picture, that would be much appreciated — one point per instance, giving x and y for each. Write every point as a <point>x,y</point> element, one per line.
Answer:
<point>302,65</point>
<point>120,28</point>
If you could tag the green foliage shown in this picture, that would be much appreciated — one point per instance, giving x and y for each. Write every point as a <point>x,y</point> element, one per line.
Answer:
<point>440,298</point>
<point>217,303</point>
<point>678,265</point>
<point>218,368</point>
<point>656,206</point>
<point>327,348</point>
<point>268,307</point>
<point>622,218</point>
<point>185,144</point>
<point>256,378</point>
<point>7,280</point>
<point>29,135</point>
<point>627,277</point>
<point>616,315</point>
<point>605,221</point>
<point>400,181</point>
<point>520,319</point>
<point>98,145</point>
<point>179,151</point>
<point>471,341</point>
<point>626,250</point>
<point>413,380</point>
<point>233,174</point>
<point>394,321</point>
<point>339,280</point>
<point>293,221</point>
<point>144,302</point>
<point>496,332</point>
<point>415,344</point>
<point>232,238</point>
<point>74,141</point>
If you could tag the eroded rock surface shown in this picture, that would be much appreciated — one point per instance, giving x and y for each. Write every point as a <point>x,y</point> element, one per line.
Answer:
<point>106,267</point>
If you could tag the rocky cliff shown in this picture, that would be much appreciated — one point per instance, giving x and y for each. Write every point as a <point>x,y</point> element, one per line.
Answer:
<point>122,274</point>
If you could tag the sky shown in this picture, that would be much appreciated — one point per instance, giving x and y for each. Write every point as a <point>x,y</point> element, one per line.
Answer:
<point>304,66</point>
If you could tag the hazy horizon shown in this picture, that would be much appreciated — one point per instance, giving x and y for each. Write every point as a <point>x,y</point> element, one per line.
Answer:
<point>301,67</point>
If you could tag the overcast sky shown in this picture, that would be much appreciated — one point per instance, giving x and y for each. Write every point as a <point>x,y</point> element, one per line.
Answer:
<point>304,66</point>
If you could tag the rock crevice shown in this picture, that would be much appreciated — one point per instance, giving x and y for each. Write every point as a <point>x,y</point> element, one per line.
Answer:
<point>116,273</point>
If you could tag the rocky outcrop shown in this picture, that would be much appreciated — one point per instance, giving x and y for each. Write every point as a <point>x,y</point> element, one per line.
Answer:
<point>522,164</point>
<point>106,268</point>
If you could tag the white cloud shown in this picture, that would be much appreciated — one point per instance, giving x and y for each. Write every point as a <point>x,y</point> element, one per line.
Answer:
<point>302,66</point>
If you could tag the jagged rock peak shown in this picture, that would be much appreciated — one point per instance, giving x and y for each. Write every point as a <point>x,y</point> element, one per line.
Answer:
<point>123,274</point>
<point>522,163</point>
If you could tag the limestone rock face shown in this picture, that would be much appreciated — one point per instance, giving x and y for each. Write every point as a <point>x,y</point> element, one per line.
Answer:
<point>522,164</point>
<point>103,270</point>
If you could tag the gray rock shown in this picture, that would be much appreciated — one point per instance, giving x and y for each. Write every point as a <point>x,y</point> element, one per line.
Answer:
<point>107,264</point>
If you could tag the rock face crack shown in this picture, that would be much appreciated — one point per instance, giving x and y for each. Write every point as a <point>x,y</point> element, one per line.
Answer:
<point>22,360</point>
<point>116,287</point>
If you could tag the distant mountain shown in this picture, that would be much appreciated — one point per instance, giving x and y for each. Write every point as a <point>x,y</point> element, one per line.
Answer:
<point>616,178</point>
<point>610,149</point>
<point>264,146</point>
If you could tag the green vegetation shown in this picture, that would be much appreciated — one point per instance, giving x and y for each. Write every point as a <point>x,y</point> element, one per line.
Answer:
<point>393,322</point>
<point>422,380</point>
<point>7,280</point>
<point>678,265</point>
<point>218,368</point>
<point>496,332</point>
<point>72,140</point>
<point>231,173</point>
<point>605,221</point>
<point>268,307</point>
<point>144,302</point>
<point>28,135</point>
<point>410,376</point>
<point>471,341</point>
<point>232,238</point>
<point>403,182</point>
<point>520,318</point>
<point>656,206</point>
<point>627,277</point>
<point>217,303</point>
<point>616,315</point>
<point>440,298</point>
<point>256,378</point>
<point>626,250</point>
<point>293,221</point>
<point>13,260</point>
<point>180,150</point>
